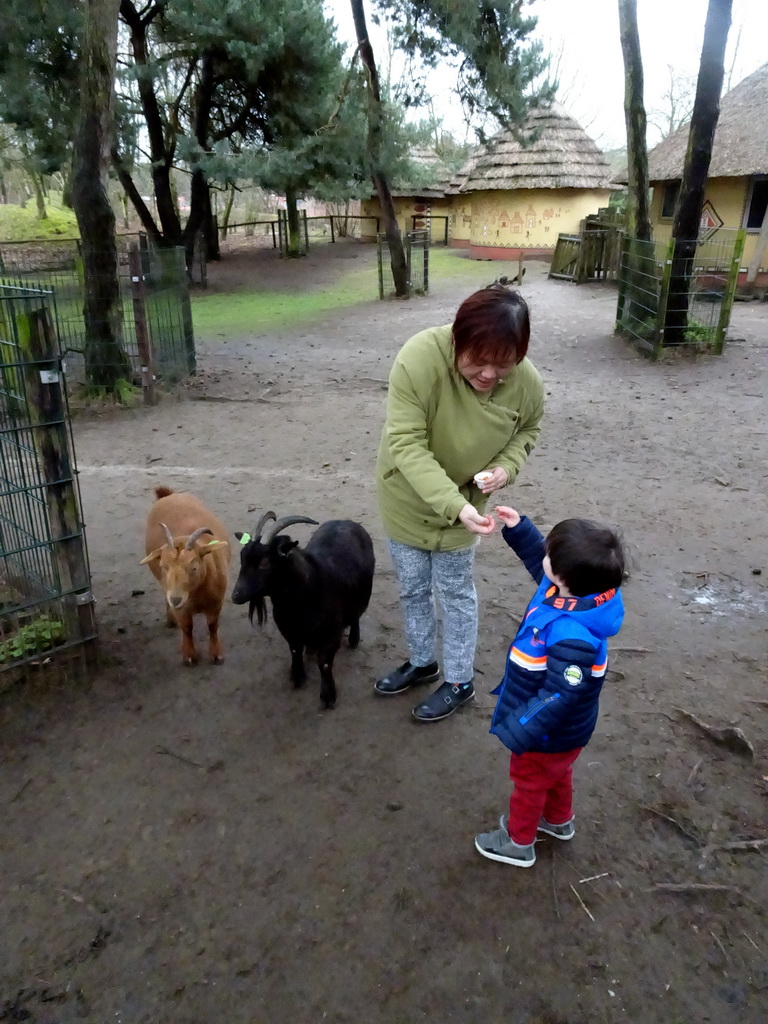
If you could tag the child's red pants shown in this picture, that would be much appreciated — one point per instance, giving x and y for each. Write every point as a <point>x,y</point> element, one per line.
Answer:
<point>543,789</point>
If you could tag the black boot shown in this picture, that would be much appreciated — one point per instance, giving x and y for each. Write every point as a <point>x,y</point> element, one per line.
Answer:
<point>405,677</point>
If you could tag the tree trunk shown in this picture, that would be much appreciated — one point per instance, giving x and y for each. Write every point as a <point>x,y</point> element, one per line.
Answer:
<point>105,360</point>
<point>161,154</point>
<point>706,110</point>
<point>227,211</point>
<point>125,179</point>
<point>380,183</point>
<point>637,217</point>
<point>200,194</point>
<point>295,247</point>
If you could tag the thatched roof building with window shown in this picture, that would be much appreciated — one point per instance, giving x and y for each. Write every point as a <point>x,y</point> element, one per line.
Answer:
<point>514,199</point>
<point>416,205</point>
<point>736,194</point>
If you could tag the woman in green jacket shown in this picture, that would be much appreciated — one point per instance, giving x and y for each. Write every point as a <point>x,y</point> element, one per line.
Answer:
<point>463,400</point>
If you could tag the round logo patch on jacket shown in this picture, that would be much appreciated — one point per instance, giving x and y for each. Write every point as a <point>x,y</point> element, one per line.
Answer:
<point>573,675</point>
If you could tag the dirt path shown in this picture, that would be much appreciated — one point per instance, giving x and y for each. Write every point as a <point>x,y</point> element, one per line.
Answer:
<point>199,846</point>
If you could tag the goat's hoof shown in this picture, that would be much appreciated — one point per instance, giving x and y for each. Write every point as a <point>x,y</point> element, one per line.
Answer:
<point>219,660</point>
<point>189,661</point>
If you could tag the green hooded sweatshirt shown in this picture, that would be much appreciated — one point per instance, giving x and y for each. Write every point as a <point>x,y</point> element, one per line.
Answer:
<point>439,432</point>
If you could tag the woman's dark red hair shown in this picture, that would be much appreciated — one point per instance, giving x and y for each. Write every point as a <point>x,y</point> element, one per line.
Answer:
<point>492,326</point>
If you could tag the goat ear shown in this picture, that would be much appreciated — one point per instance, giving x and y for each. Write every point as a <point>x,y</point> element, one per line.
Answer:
<point>152,556</point>
<point>284,549</point>
<point>213,544</point>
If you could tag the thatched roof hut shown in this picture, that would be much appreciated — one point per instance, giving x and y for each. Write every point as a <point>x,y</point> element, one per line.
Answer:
<point>563,156</point>
<point>740,147</point>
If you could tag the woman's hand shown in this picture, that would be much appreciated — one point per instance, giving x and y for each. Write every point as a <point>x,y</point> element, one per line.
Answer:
<point>507,515</point>
<point>475,523</point>
<point>498,478</point>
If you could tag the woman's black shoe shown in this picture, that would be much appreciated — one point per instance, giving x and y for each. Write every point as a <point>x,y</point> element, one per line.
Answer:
<point>443,702</point>
<point>405,677</point>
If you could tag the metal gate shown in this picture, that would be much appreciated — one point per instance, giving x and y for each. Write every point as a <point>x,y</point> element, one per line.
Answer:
<point>46,606</point>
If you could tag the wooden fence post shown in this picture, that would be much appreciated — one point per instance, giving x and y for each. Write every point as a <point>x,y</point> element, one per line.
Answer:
<point>48,420</point>
<point>143,342</point>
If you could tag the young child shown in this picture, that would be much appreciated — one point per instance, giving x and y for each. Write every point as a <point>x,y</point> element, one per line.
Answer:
<point>548,699</point>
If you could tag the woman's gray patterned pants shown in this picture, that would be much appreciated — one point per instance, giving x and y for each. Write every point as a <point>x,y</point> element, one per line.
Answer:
<point>449,574</point>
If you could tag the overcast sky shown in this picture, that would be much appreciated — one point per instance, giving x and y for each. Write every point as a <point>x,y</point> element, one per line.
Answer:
<point>586,34</point>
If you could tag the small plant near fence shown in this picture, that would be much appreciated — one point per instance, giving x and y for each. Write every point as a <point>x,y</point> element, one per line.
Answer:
<point>646,298</point>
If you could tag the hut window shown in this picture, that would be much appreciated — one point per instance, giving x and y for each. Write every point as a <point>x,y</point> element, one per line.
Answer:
<point>671,190</point>
<point>756,204</point>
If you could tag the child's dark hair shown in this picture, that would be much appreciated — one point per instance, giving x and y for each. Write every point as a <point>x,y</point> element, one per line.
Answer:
<point>588,558</point>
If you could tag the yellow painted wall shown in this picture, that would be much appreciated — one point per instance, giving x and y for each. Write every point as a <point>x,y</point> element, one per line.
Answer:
<point>405,210</point>
<point>461,219</point>
<point>728,197</point>
<point>530,218</point>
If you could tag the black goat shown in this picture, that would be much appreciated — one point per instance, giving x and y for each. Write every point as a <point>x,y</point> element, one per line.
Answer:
<point>316,591</point>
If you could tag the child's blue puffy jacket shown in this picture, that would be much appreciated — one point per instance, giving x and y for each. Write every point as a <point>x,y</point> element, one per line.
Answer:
<point>548,699</point>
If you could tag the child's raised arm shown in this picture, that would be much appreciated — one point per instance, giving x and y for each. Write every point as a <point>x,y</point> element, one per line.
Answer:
<point>524,539</point>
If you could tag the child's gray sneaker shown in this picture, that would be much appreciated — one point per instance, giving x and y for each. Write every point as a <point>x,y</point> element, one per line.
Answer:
<point>498,846</point>
<point>564,832</point>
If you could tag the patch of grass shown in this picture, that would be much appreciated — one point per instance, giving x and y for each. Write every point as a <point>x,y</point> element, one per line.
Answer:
<point>19,224</point>
<point>253,311</point>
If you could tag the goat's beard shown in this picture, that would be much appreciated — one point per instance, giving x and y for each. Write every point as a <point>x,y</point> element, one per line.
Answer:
<point>259,606</point>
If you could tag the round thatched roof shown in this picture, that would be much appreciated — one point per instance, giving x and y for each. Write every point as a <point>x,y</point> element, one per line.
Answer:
<point>740,147</point>
<point>563,156</point>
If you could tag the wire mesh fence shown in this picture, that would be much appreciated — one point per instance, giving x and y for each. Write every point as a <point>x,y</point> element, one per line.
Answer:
<point>152,320</point>
<point>46,606</point>
<point>654,289</point>
<point>416,247</point>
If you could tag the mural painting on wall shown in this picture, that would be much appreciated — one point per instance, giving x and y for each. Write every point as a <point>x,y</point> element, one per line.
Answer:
<point>710,222</point>
<point>422,213</point>
<point>530,218</point>
<point>517,223</point>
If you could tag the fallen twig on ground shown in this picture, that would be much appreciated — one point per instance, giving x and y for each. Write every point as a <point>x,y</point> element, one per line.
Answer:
<point>584,905</point>
<point>729,736</point>
<point>694,771</point>
<point>593,878</point>
<point>672,821</point>
<point>756,700</point>
<point>742,844</point>
<point>751,941</point>
<point>19,791</point>
<point>552,862</point>
<point>632,650</point>
<point>179,757</point>
<point>684,887</point>
<point>720,945</point>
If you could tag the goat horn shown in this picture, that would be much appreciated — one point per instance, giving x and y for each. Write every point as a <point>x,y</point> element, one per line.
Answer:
<point>193,536</point>
<point>169,536</point>
<point>262,523</point>
<point>286,521</point>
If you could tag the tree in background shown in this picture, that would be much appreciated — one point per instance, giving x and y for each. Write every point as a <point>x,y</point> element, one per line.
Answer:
<point>39,43</point>
<point>638,221</point>
<point>105,361</point>
<point>690,201</point>
<point>212,80</point>
<point>677,104</point>
<point>499,68</point>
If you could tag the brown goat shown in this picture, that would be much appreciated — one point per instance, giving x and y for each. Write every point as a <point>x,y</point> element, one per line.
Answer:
<point>191,570</point>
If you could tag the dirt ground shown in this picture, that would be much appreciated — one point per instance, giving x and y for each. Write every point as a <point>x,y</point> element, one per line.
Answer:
<point>208,846</point>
